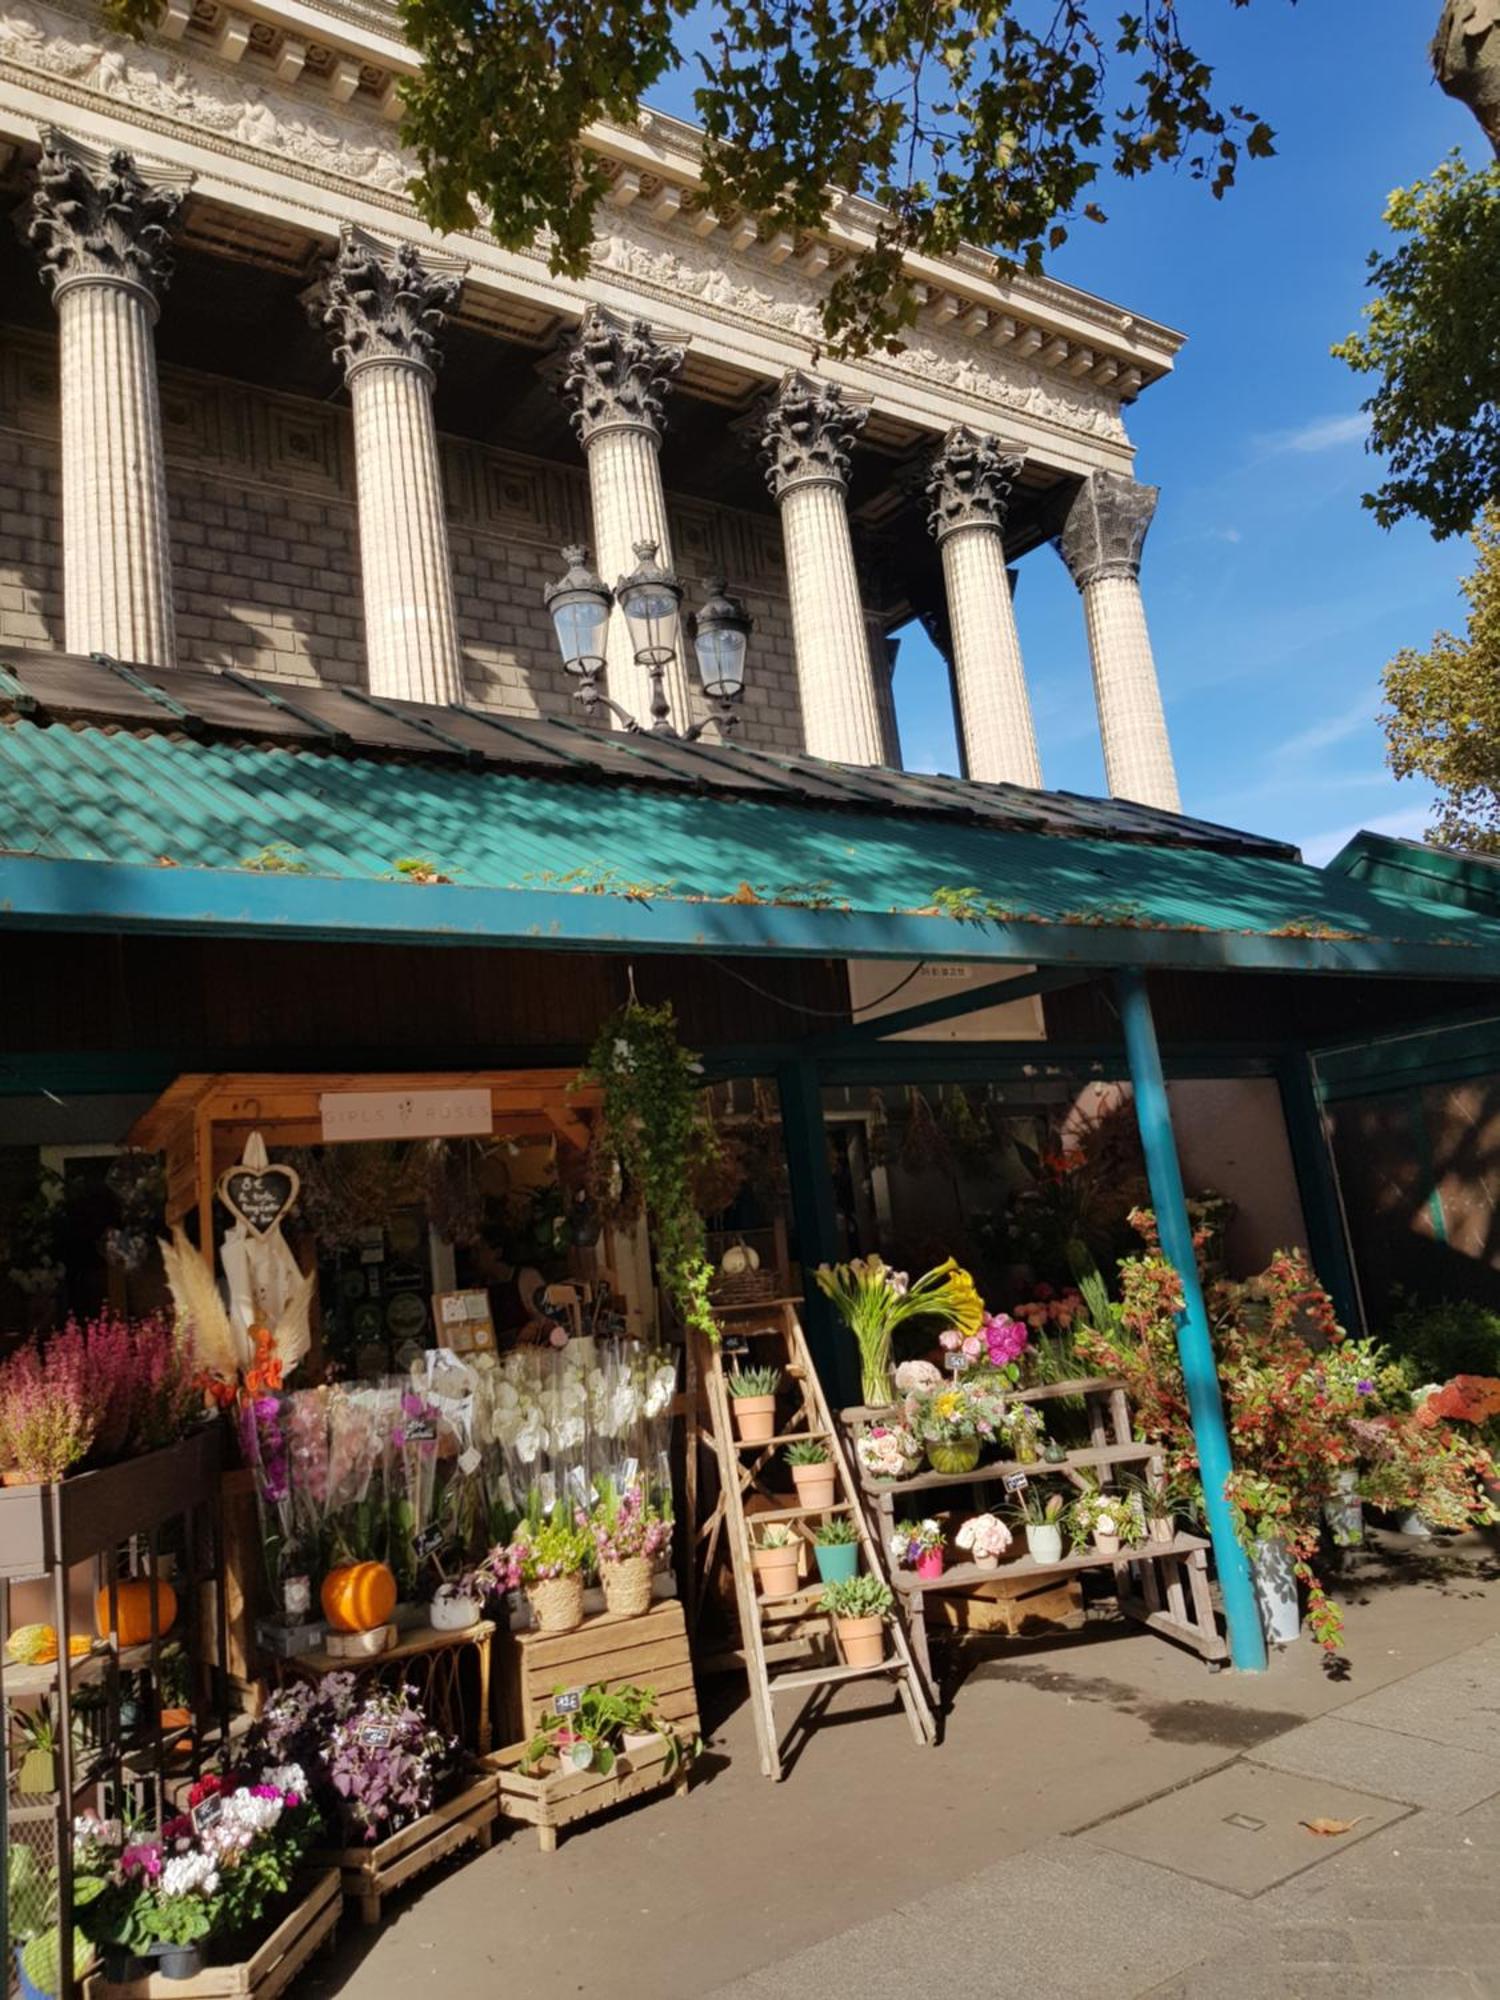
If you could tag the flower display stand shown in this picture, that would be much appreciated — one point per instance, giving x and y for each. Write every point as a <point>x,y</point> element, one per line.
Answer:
<point>787,1645</point>
<point>431,1661</point>
<point>368,1874</point>
<point>270,1970</point>
<point>650,1650</point>
<point>550,1799</point>
<point>1163,1585</point>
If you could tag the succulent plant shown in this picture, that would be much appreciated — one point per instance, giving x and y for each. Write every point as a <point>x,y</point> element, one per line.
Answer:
<point>775,1537</point>
<point>859,1597</point>
<point>837,1532</point>
<point>753,1381</point>
<point>807,1451</point>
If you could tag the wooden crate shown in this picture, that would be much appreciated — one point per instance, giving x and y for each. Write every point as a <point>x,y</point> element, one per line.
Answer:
<point>549,1799</point>
<point>271,1971</point>
<point>1011,1605</point>
<point>648,1651</point>
<point>369,1873</point>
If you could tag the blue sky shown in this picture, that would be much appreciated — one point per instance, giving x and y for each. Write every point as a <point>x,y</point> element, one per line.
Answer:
<point>1273,598</point>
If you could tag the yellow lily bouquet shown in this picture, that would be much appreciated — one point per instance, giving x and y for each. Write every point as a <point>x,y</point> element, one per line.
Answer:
<point>875,1299</point>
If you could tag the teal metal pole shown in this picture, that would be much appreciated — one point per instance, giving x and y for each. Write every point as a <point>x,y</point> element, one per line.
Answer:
<point>816,1215</point>
<point>1247,1639</point>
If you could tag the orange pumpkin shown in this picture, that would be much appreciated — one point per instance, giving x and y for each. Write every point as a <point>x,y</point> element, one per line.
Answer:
<point>359,1596</point>
<point>133,1599</point>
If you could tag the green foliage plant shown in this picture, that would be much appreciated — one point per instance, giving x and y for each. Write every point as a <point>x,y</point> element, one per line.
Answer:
<point>1038,1508</point>
<point>605,1715</point>
<point>837,1532</point>
<point>753,1382</point>
<point>657,1125</point>
<point>806,1452</point>
<point>857,1597</point>
<point>775,1535</point>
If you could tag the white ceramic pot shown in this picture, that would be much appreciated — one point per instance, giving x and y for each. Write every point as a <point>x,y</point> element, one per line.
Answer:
<point>1044,1541</point>
<point>1345,1511</point>
<point>453,1609</point>
<point>986,1562</point>
<point>1275,1583</point>
<point>1107,1545</point>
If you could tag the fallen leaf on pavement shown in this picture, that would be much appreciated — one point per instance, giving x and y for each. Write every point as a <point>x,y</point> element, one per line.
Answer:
<point>1332,1826</point>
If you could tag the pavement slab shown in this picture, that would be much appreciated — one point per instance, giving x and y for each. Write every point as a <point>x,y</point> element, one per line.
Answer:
<point>1416,1770</point>
<point>1455,1702</point>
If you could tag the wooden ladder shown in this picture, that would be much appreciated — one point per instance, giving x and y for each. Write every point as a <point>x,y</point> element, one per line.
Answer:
<point>787,1633</point>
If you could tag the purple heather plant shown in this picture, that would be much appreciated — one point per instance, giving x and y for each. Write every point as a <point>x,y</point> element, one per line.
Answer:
<point>47,1414</point>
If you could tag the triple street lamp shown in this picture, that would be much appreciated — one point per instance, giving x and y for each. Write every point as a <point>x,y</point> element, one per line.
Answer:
<point>651,599</point>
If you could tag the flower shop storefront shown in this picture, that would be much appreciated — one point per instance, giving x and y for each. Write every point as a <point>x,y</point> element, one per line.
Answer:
<point>484,1109</point>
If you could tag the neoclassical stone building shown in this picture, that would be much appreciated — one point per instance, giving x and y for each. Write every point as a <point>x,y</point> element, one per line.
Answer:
<point>255,416</point>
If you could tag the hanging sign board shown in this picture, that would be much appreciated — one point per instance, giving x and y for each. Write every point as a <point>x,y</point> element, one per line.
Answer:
<point>464,1322</point>
<point>405,1114</point>
<point>870,994</point>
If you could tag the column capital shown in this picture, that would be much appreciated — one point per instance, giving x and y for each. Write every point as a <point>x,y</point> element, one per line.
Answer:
<point>969,482</point>
<point>807,432</point>
<point>384,301</point>
<point>99,218</point>
<point>616,375</point>
<point>1106,527</point>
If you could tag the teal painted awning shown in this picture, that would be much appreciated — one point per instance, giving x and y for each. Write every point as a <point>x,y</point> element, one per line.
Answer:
<point>123,829</point>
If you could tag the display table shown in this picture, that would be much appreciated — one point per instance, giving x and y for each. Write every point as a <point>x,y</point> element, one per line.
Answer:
<point>430,1661</point>
<point>1163,1585</point>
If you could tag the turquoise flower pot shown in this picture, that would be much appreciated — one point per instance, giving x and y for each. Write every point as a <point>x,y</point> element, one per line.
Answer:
<point>839,1562</point>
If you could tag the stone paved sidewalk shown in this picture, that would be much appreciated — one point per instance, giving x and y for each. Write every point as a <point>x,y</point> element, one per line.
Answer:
<point>1217,1891</point>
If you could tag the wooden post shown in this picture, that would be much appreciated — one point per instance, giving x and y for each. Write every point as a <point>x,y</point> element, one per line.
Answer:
<point>1247,1640</point>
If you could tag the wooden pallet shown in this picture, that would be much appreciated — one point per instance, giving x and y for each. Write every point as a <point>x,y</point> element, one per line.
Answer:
<point>788,1633</point>
<point>270,1971</point>
<point>368,1874</point>
<point>550,1799</point>
<point>646,1651</point>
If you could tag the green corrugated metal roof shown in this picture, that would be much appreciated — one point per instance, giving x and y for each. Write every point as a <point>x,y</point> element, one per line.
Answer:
<point>131,801</point>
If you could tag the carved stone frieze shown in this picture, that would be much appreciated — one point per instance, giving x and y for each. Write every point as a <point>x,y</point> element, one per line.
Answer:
<point>616,375</point>
<point>384,301</point>
<point>94,214</point>
<point>807,432</point>
<point>1106,527</point>
<point>969,482</point>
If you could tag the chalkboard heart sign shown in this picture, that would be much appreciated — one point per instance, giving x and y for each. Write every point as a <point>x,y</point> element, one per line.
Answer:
<point>259,1196</point>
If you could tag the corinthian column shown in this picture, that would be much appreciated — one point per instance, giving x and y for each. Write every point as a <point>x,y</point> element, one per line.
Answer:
<point>615,384</point>
<point>384,306</point>
<point>807,433</point>
<point>969,487</point>
<point>103,229</point>
<point>1101,543</point>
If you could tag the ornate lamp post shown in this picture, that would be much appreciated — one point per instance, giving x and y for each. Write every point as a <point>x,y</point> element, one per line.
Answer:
<point>579,606</point>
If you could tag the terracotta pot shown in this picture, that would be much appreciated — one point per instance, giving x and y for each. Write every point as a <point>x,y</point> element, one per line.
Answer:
<point>754,1418</point>
<point>556,1603</point>
<point>861,1641</point>
<point>985,1562</point>
<point>1107,1545</point>
<point>816,1485</point>
<point>627,1586</point>
<point>776,1571</point>
<point>14,1478</point>
<point>1163,1528</point>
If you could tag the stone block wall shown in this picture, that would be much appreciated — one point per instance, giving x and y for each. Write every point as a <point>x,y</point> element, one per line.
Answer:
<point>265,545</point>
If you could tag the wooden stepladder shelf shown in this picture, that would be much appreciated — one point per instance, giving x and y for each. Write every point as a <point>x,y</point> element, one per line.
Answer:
<point>788,1645</point>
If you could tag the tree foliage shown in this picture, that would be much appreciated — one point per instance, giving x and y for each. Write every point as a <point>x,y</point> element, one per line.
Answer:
<point>1443,719</point>
<point>980,121</point>
<point>1431,337</point>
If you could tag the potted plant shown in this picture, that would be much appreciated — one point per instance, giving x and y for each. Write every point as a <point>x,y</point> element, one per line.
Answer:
<point>874,1300</point>
<point>628,1537</point>
<point>1154,1503</point>
<point>888,1451</point>
<point>608,1724</point>
<point>1105,1520</point>
<point>836,1546</point>
<point>812,1473</point>
<point>918,1545</point>
<point>752,1400</point>
<point>1025,1432</point>
<point>775,1557</point>
<point>859,1609</point>
<point>955,1423</point>
<point>548,1560</point>
<point>38,1732</point>
<point>31,1924</point>
<point>984,1538</point>
<point>1042,1515</point>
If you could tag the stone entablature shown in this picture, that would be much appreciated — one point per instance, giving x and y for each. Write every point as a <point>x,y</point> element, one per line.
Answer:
<point>1054,364</point>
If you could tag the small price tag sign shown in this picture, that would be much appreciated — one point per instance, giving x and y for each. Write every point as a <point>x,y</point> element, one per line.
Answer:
<point>430,1539</point>
<point>567,1701</point>
<point>207,1812</point>
<point>628,1469</point>
<point>953,1360</point>
<point>421,1430</point>
<point>734,1343</point>
<point>1016,1482</point>
<point>373,1735</point>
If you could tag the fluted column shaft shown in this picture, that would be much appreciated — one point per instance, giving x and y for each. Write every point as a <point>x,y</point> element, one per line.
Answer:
<point>807,433</point>
<point>384,306</point>
<point>616,378</point>
<point>629,506</point>
<point>117,562</point>
<point>969,483</point>
<point>103,228</point>
<point>1101,544</point>
<point>411,630</point>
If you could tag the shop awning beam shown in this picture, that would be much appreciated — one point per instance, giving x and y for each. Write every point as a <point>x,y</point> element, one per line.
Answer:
<point>38,892</point>
<point>950,1007</point>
